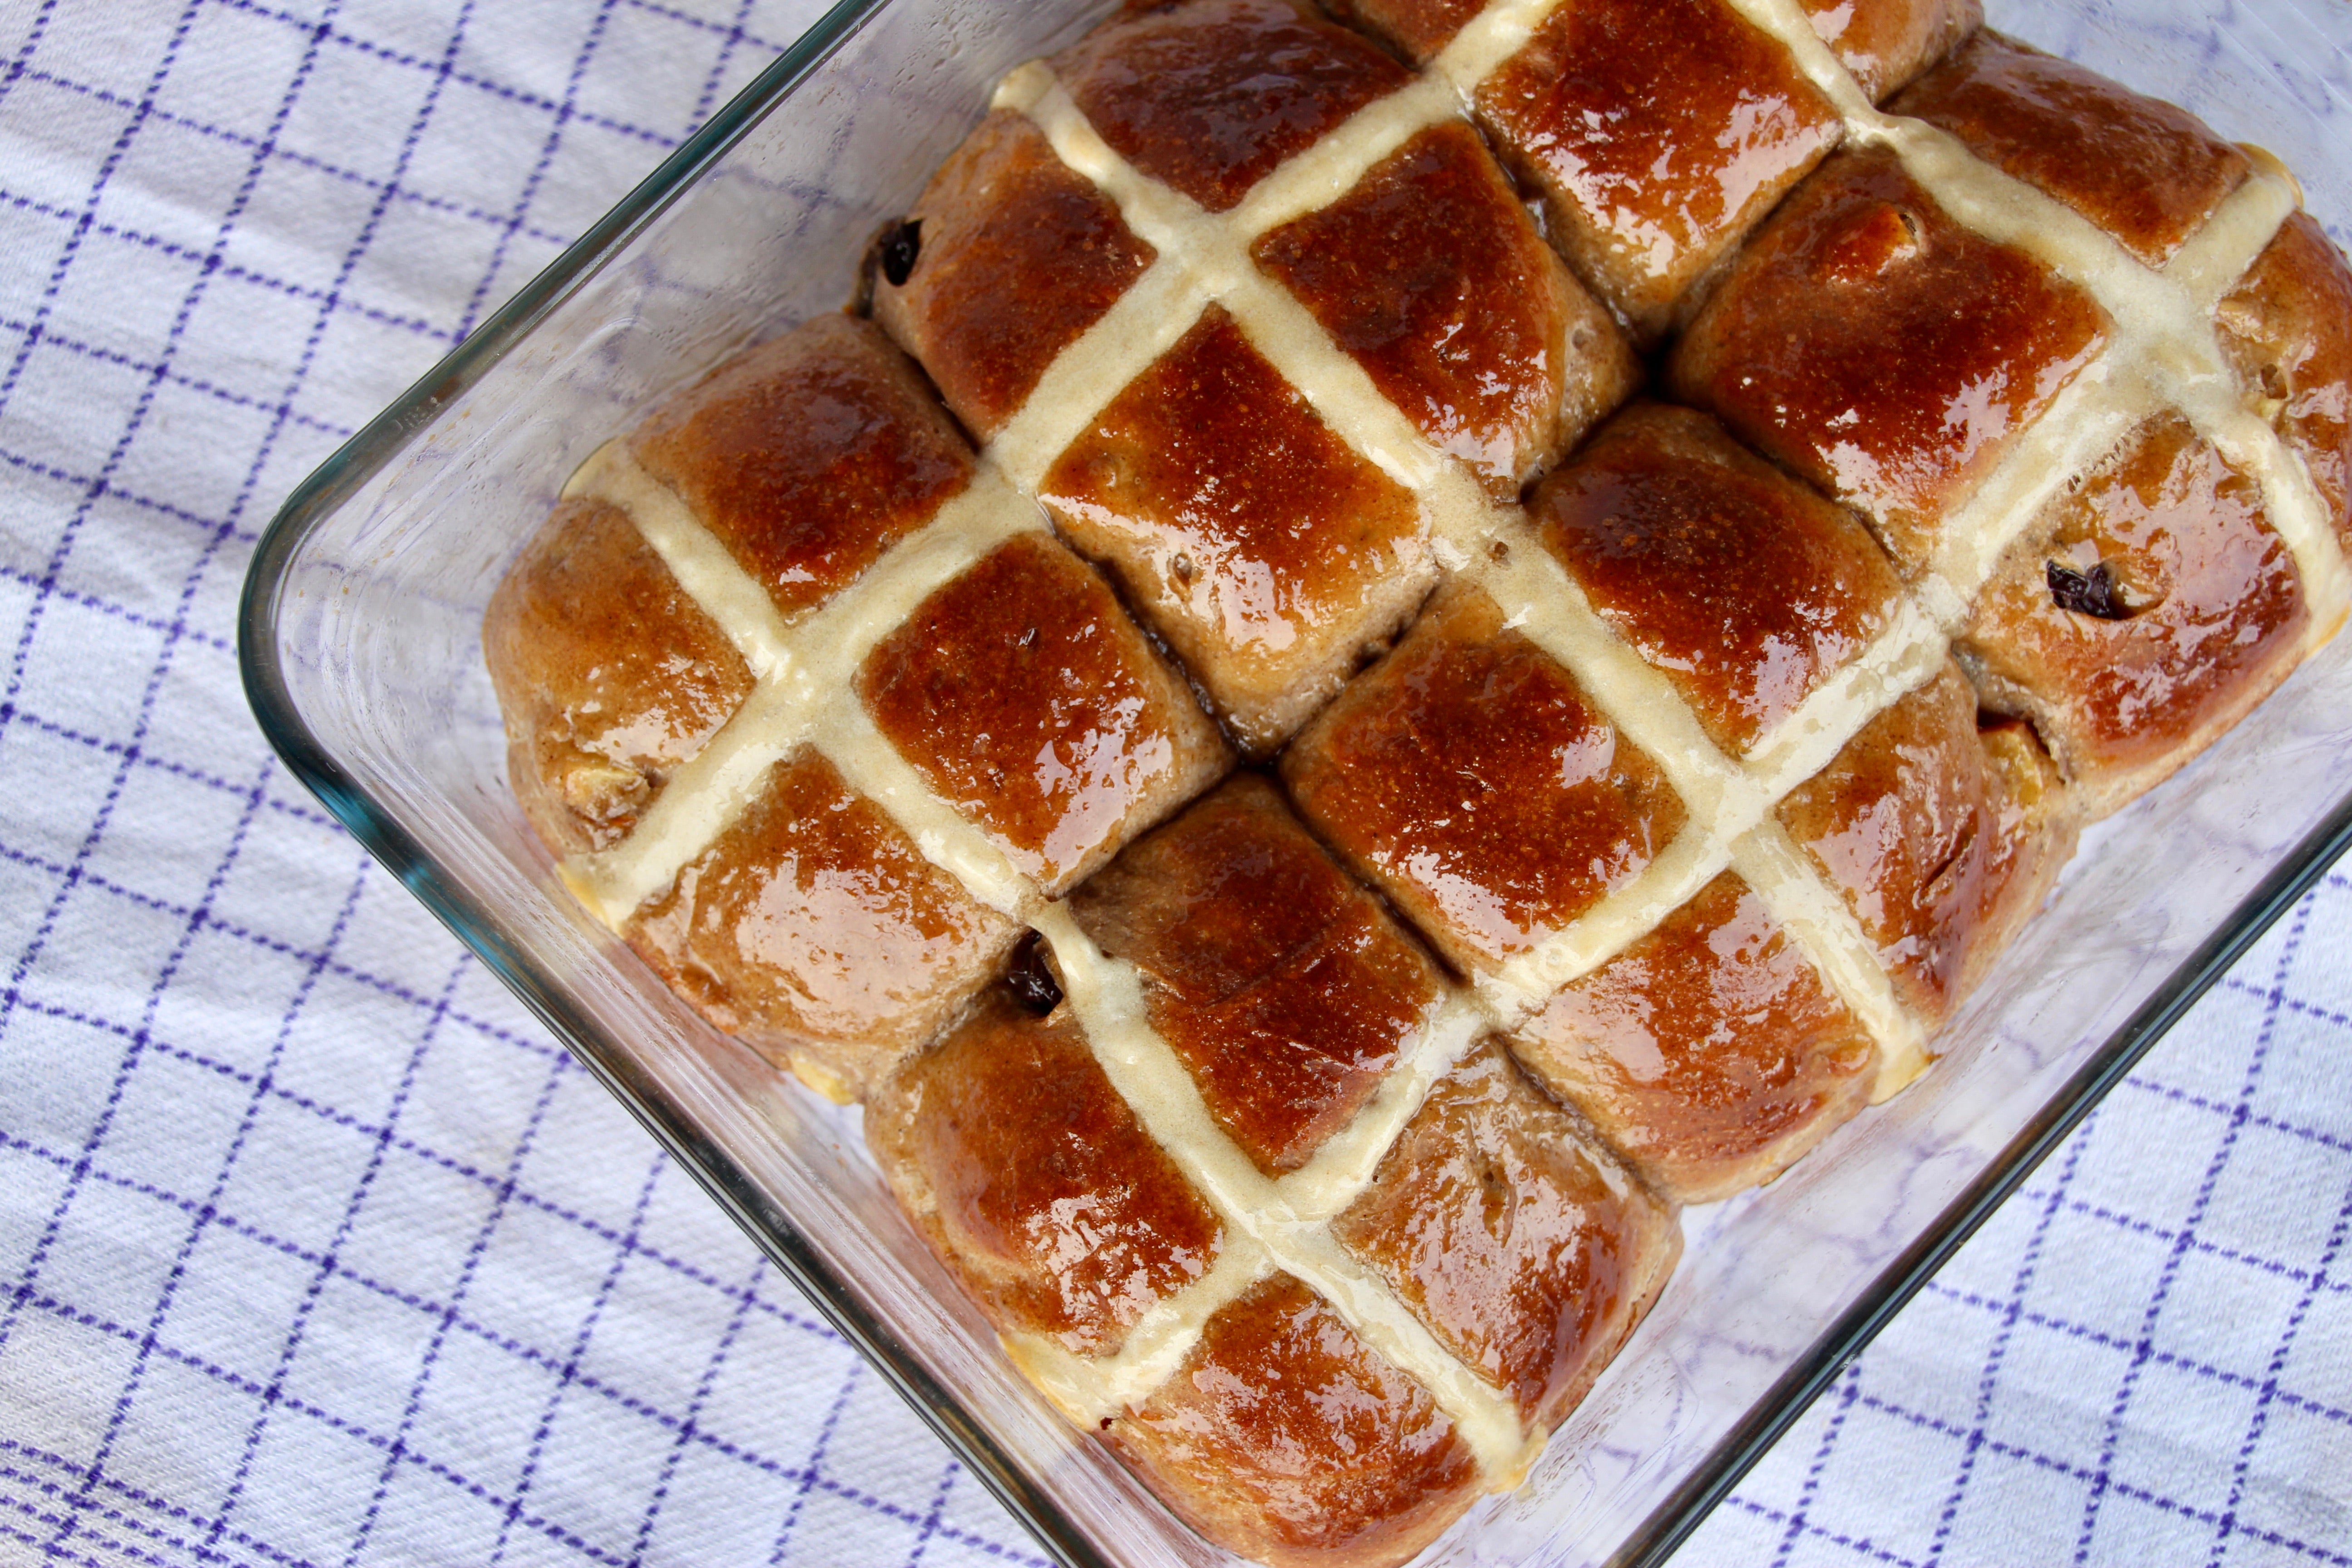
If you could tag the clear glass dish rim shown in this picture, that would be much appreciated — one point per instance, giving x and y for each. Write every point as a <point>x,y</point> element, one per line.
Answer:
<point>384,437</point>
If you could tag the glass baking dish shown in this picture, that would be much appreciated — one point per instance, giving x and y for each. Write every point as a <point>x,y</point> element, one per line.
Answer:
<point>361,645</point>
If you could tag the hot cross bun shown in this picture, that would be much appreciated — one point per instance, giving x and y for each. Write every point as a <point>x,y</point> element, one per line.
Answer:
<point>1413,636</point>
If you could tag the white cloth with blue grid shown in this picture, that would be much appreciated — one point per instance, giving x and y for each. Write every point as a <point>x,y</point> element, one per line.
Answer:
<point>315,1249</point>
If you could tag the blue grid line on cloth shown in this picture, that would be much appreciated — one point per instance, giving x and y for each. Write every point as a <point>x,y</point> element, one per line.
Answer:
<point>570,1371</point>
<point>230,1071</point>
<point>824,1440</point>
<point>2143,1344</point>
<point>132,617</point>
<point>172,248</point>
<point>2050,1198</point>
<point>2012,1313</point>
<point>328,1264</point>
<point>505,1190</point>
<point>394,1448</point>
<point>9,386</point>
<point>2202,1369</point>
<point>448,1317</point>
<point>564,111</point>
<point>160,507</point>
<point>95,1502</point>
<point>2271,1393</point>
<point>1846,1395</point>
<point>391,56</point>
<point>688,1431</point>
<point>238,139</point>
<point>808,1476</point>
<point>330,1261</point>
<point>205,1209</point>
<point>164,373</point>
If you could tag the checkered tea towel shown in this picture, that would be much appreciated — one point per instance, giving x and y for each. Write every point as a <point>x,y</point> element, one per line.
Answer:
<point>315,1249</point>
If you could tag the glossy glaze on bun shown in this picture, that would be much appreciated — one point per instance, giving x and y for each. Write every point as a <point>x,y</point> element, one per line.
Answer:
<point>1413,636</point>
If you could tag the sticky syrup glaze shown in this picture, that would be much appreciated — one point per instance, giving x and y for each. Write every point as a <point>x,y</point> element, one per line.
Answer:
<point>1473,782</point>
<point>809,456</point>
<point>2210,614</point>
<point>1791,349</point>
<point>813,925</point>
<point>1254,540</point>
<point>1290,1439</point>
<point>1431,276</point>
<point>1036,1182</point>
<point>1746,588</point>
<point>2287,328</point>
<point>1920,834</point>
<point>1417,29</point>
<point>1886,43</point>
<point>1019,255</point>
<point>1024,696</point>
<point>1710,1051</point>
<point>609,676</point>
<point>1286,990</point>
<point>1527,1256</point>
<point>1209,97</point>
<point>1656,131</point>
<point>2143,171</point>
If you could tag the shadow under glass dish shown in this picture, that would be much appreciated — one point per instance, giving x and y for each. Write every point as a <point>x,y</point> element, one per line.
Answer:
<point>359,638</point>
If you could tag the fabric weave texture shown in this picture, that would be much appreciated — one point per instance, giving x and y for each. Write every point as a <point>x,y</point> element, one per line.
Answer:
<point>314,1248</point>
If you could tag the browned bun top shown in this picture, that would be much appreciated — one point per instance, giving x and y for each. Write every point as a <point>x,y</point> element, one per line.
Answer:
<point>1542,592</point>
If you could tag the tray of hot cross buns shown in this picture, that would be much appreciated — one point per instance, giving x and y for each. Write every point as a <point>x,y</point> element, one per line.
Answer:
<point>1360,766</point>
